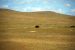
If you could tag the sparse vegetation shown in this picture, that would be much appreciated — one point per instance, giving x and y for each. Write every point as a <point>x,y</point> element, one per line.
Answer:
<point>18,31</point>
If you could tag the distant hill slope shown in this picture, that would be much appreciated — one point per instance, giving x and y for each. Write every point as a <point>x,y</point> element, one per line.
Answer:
<point>18,31</point>
<point>44,17</point>
<point>41,12</point>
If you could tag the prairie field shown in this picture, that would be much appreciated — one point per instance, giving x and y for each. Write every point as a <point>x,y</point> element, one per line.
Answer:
<point>18,31</point>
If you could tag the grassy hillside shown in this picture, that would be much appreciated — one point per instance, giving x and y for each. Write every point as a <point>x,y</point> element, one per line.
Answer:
<point>18,32</point>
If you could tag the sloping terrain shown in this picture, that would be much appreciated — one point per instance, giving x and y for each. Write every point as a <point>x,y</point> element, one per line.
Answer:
<point>18,31</point>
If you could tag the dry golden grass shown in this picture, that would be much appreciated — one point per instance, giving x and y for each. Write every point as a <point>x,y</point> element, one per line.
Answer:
<point>18,32</point>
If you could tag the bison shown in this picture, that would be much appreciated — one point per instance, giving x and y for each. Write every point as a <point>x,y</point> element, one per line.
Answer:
<point>72,26</point>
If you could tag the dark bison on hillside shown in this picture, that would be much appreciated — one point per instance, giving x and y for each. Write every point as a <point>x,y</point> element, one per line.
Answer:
<point>72,26</point>
<point>37,26</point>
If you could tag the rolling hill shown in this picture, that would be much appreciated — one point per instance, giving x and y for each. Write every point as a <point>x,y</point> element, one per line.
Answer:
<point>18,31</point>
